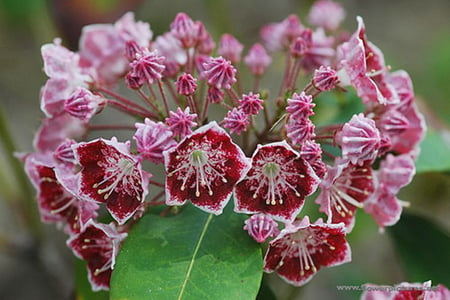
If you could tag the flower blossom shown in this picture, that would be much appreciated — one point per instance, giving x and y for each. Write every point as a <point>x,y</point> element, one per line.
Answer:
<point>276,184</point>
<point>260,227</point>
<point>302,249</point>
<point>110,175</point>
<point>203,169</point>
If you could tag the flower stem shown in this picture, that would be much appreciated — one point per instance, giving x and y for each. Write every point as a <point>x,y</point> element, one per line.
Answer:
<point>27,204</point>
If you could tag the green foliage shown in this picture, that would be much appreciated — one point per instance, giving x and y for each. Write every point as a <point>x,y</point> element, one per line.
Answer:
<point>423,248</point>
<point>193,255</point>
<point>434,155</point>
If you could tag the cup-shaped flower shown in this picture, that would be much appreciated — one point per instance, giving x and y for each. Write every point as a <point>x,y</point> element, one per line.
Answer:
<point>344,189</point>
<point>327,14</point>
<point>276,184</point>
<point>98,244</point>
<point>260,227</point>
<point>302,248</point>
<point>111,175</point>
<point>203,169</point>
<point>152,139</point>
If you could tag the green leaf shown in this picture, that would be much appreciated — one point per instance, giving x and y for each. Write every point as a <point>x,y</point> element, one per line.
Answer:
<point>434,154</point>
<point>423,248</point>
<point>193,255</point>
<point>83,287</point>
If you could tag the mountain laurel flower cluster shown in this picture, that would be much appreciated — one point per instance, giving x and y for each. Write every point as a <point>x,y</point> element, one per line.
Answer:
<point>263,149</point>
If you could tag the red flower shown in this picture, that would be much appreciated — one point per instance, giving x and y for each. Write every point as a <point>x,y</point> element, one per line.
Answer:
<point>277,183</point>
<point>111,175</point>
<point>98,244</point>
<point>344,189</point>
<point>302,249</point>
<point>203,169</point>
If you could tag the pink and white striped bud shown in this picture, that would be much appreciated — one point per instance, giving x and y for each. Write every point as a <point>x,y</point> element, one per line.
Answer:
<point>83,104</point>
<point>257,60</point>
<point>260,227</point>
<point>300,130</point>
<point>360,139</point>
<point>300,106</point>
<point>300,46</point>
<point>186,84</point>
<point>131,49</point>
<point>64,153</point>
<point>220,73</point>
<point>251,104</point>
<point>236,120</point>
<point>205,43</point>
<point>152,139</point>
<point>148,67</point>
<point>325,78</point>
<point>181,122</point>
<point>230,48</point>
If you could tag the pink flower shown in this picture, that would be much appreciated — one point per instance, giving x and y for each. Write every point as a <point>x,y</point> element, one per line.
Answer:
<point>203,169</point>
<point>257,60</point>
<point>230,48</point>
<point>320,51</point>
<point>147,67</point>
<point>110,175</point>
<point>361,64</point>
<point>276,184</point>
<point>205,45</point>
<point>251,104</point>
<point>302,249</point>
<point>185,30</point>
<point>181,122</point>
<point>186,84</point>
<point>278,36</point>
<point>327,14</point>
<point>360,139</point>
<point>236,120</point>
<point>54,131</point>
<point>62,66</point>
<point>98,244</point>
<point>152,139</point>
<point>220,73</point>
<point>170,47</point>
<point>260,227</point>
<point>396,171</point>
<point>325,78</point>
<point>300,106</point>
<point>344,188</point>
<point>130,30</point>
<point>83,104</point>
<point>384,206</point>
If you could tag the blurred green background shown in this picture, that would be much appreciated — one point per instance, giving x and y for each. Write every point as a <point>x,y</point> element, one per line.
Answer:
<point>414,35</point>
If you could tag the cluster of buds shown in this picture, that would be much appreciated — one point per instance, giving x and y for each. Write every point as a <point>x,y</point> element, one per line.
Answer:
<point>264,150</point>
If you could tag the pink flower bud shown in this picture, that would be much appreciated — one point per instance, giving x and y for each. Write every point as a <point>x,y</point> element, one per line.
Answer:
<point>214,95</point>
<point>300,106</point>
<point>147,67</point>
<point>257,60</point>
<point>251,104</point>
<point>325,78</point>
<point>327,14</point>
<point>360,139</point>
<point>260,227</point>
<point>230,48</point>
<point>152,139</point>
<point>83,104</point>
<point>181,122</point>
<point>220,73</point>
<point>64,152</point>
<point>185,30</point>
<point>186,84</point>
<point>236,120</point>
